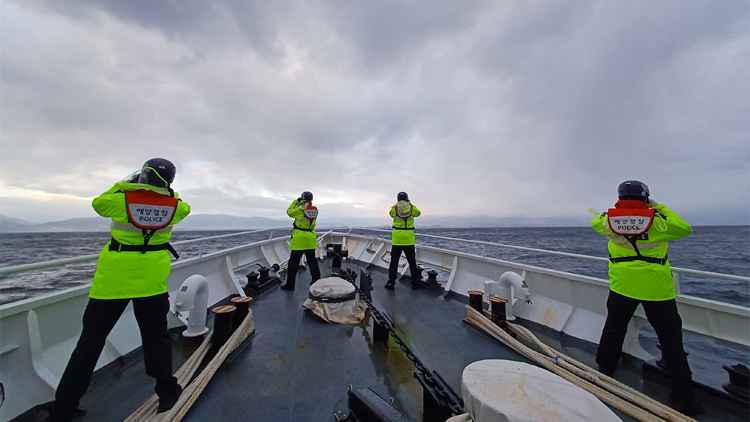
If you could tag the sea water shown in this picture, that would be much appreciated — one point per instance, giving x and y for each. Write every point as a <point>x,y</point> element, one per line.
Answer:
<point>717,249</point>
<point>721,249</point>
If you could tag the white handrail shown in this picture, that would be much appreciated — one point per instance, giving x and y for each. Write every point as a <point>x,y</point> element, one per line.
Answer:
<point>573,255</point>
<point>46,264</point>
<point>85,258</point>
<point>221,236</point>
<point>481,242</point>
<point>59,262</point>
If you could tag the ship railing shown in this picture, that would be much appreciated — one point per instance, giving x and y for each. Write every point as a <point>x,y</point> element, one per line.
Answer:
<point>202,241</point>
<point>92,257</point>
<point>676,271</point>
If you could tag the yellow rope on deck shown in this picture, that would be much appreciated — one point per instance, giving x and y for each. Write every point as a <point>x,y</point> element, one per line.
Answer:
<point>610,391</point>
<point>191,390</point>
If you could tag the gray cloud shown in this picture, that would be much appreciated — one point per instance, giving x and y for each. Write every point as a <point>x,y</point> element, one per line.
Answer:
<point>502,109</point>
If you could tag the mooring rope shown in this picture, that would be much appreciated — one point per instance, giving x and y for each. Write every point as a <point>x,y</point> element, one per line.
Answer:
<point>608,390</point>
<point>193,389</point>
<point>609,383</point>
<point>184,374</point>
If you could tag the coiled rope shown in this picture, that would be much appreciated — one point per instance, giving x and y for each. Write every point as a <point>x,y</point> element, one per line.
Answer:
<point>610,391</point>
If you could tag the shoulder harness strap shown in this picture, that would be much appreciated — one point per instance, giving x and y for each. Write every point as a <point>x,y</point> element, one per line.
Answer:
<point>115,246</point>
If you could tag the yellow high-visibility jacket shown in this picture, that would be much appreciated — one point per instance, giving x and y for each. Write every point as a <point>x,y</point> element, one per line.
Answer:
<point>131,274</point>
<point>639,279</point>
<point>303,235</point>
<point>403,227</point>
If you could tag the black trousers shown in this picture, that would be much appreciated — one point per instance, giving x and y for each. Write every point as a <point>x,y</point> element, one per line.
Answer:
<point>98,320</point>
<point>663,316</point>
<point>411,258</point>
<point>294,258</point>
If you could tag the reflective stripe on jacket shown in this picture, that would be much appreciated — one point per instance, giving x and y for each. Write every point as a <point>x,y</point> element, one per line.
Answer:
<point>638,279</point>
<point>125,275</point>
<point>403,228</point>
<point>304,238</point>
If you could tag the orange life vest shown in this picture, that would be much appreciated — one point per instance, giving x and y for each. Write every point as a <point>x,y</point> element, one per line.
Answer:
<point>631,219</point>
<point>149,210</point>
<point>311,213</point>
<point>403,216</point>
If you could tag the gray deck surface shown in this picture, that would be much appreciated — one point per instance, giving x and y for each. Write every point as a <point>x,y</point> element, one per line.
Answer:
<point>297,367</point>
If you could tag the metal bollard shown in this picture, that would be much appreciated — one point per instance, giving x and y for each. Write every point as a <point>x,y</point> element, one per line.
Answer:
<point>380,333</point>
<point>497,309</point>
<point>476,300</point>
<point>242,303</point>
<point>222,325</point>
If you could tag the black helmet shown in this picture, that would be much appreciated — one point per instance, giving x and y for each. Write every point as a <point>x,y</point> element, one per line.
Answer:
<point>157,172</point>
<point>402,196</point>
<point>633,189</point>
<point>307,196</point>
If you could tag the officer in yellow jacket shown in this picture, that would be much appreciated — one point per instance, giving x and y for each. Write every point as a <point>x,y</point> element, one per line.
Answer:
<point>304,241</point>
<point>132,267</point>
<point>638,229</point>
<point>403,239</point>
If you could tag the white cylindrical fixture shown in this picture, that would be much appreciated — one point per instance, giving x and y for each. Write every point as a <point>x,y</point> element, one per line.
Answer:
<point>193,297</point>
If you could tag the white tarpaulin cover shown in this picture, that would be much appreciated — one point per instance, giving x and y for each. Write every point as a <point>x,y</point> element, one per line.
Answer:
<point>508,391</point>
<point>351,311</point>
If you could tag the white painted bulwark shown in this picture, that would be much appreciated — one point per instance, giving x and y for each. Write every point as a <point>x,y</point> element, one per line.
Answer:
<point>37,335</point>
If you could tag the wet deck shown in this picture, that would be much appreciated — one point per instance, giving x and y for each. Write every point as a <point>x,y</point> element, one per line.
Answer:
<point>297,368</point>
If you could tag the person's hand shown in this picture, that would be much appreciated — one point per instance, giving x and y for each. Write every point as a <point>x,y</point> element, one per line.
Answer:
<point>652,203</point>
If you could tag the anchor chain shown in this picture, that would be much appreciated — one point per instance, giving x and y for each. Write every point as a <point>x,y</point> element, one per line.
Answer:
<point>453,403</point>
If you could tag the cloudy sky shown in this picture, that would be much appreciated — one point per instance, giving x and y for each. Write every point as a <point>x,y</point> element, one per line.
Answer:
<point>499,108</point>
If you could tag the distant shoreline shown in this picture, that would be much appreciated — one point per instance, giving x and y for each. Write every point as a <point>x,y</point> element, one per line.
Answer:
<point>321,229</point>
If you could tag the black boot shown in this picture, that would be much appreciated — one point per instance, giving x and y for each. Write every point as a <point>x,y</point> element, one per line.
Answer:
<point>287,286</point>
<point>606,371</point>
<point>59,413</point>
<point>689,409</point>
<point>390,285</point>
<point>167,402</point>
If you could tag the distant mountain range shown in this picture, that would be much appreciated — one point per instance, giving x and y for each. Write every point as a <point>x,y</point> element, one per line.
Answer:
<point>231,222</point>
<point>101,224</point>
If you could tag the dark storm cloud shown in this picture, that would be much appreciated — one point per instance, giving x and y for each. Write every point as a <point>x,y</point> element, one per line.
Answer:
<point>379,37</point>
<point>611,74</point>
<point>500,108</point>
<point>383,32</point>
